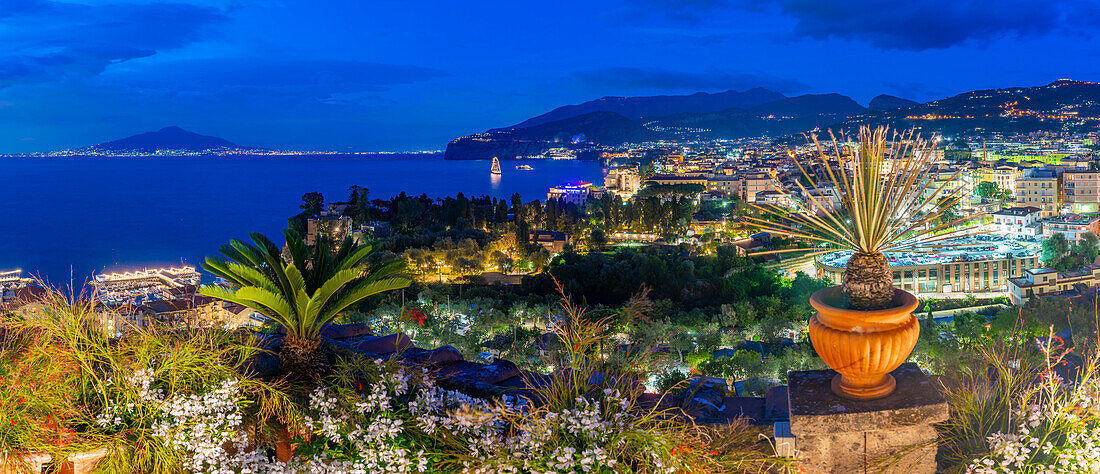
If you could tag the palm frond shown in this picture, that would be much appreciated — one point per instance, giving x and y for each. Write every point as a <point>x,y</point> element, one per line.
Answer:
<point>307,292</point>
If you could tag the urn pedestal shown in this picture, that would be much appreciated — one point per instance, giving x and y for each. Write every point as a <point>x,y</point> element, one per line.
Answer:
<point>895,434</point>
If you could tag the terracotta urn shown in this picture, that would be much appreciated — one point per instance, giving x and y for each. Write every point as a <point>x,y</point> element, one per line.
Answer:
<point>863,346</point>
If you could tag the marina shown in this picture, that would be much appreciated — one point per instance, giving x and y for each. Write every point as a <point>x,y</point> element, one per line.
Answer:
<point>147,284</point>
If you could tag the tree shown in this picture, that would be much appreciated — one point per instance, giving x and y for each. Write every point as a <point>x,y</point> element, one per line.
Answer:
<point>303,294</point>
<point>1089,246</point>
<point>948,215</point>
<point>597,239</point>
<point>990,191</point>
<point>359,207</point>
<point>312,202</point>
<point>1054,248</point>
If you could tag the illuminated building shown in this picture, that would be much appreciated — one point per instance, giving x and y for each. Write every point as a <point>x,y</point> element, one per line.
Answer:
<point>727,186</point>
<point>981,263</point>
<point>623,182</point>
<point>1041,188</point>
<point>1081,190</point>
<point>1003,176</point>
<point>1046,281</point>
<point>1073,226</point>
<point>755,183</point>
<point>575,192</point>
<point>673,179</point>
<point>1018,222</point>
<point>334,226</point>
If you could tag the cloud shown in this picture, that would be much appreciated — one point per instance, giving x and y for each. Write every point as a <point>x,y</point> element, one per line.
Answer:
<point>888,24</point>
<point>48,41</point>
<point>687,11</point>
<point>930,24</point>
<point>335,81</point>
<point>663,79</point>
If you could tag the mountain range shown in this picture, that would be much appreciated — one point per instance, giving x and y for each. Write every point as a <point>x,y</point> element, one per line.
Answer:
<point>1063,105</point>
<point>660,105</point>
<point>615,120</point>
<point>589,127</point>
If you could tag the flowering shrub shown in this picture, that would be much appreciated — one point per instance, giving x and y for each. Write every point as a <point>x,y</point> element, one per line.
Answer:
<point>1053,425</point>
<point>597,435</point>
<point>360,422</point>
<point>414,315</point>
<point>1047,438</point>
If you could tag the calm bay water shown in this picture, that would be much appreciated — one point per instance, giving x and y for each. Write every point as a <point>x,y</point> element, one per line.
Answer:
<point>81,215</point>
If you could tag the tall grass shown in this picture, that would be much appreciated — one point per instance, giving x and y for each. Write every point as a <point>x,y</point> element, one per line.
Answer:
<point>37,388</point>
<point>1013,412</point>
<point>118,385</point>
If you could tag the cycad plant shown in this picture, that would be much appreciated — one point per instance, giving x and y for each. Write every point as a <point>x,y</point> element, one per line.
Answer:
<point>889,201</point>
<point>301,294</point>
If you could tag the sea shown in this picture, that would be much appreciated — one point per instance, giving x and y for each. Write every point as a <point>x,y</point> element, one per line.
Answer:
<point>64,219</point>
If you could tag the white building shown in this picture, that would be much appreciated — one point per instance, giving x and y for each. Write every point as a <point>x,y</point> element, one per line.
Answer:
<point>1018,222</point>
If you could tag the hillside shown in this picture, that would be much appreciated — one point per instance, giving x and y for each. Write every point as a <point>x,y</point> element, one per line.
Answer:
<point>1063,105</point>
<point>887,102</point>
<point>574,133</point>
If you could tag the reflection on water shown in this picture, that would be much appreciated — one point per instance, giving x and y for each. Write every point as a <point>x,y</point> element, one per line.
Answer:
<point>494,181</point>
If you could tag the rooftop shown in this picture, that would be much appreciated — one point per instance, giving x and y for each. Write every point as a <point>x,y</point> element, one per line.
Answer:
<point>1074,219</point>
<point>1017,211</point>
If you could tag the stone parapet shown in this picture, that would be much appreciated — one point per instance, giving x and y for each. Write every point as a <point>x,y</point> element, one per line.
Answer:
<point>894,434</point>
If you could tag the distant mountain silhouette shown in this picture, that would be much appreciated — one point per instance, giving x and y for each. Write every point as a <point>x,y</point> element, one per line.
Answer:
<point>781,117</point>
<point>778,117</point>
<point>887,102</point>
<point>810,104</point>
<point>167,138</point>
<point>657,106</point>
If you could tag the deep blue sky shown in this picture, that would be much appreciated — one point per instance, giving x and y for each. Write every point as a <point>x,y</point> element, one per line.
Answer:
<point>402,75</point>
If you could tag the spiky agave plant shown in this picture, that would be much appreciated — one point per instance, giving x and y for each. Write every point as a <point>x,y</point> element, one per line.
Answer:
<point>881,181</point>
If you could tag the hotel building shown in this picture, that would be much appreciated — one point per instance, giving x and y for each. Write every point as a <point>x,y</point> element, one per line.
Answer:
<point>575,192</point>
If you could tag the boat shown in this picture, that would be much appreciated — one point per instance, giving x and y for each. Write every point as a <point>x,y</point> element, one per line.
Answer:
<point>561,154</point>
<point>524,167</point>
<point>496,166</point>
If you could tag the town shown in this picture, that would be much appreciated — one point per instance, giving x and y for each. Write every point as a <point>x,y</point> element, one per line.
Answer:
<point>704,237</point>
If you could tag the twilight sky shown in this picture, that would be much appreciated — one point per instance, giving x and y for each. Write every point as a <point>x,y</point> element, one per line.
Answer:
<point>404,75</point>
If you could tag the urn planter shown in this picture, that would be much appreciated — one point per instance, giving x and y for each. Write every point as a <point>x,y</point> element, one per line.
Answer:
<point>83,463</point>
<point>863,346</point>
